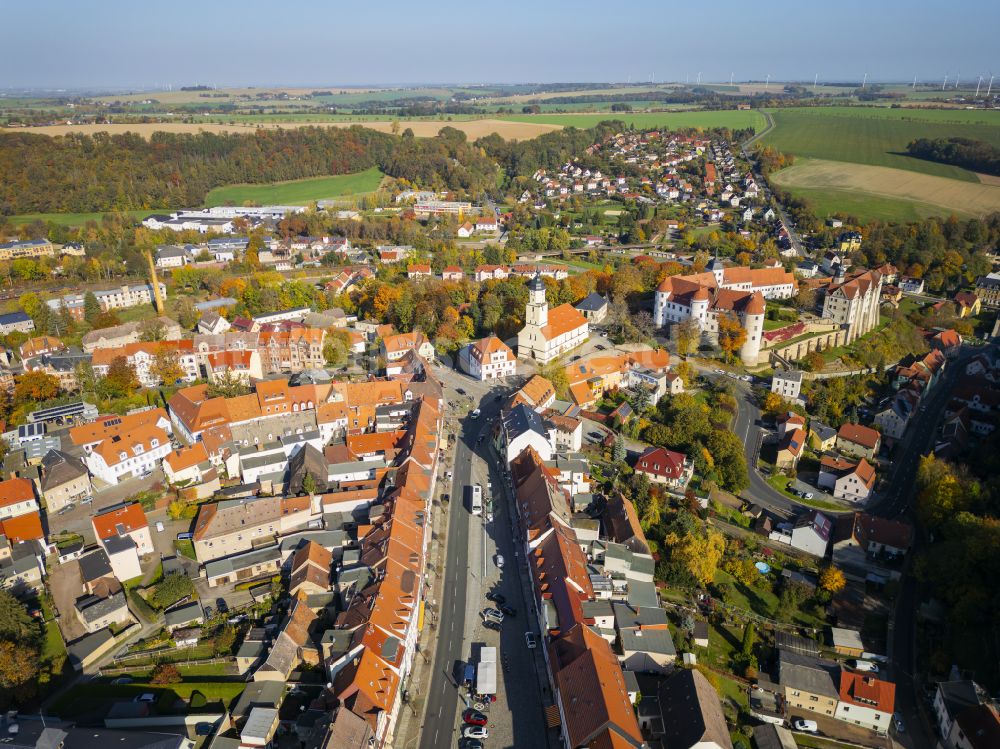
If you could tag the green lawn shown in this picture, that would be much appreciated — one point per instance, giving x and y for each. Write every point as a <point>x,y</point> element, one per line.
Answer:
<point>878,136</point>
<point>95,697</point>
<point>731,118</point>
<point>867,207</point>
<point>185,548</point>
<point>53,655</point>
<point>298,191</point>
<point>76,219</point>
<point>761,600</point>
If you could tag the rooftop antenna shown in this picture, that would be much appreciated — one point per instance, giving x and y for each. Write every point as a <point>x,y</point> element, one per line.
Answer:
<point>978,85</point>
<point>864,82</point>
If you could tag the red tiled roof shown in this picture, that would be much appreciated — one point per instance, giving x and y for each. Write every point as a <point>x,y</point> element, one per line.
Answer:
<point>859,435</point>
<point>867,691</point>
<point>130,517</point>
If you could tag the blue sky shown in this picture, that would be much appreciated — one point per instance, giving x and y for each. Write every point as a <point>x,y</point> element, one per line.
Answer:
<point>113,43</point>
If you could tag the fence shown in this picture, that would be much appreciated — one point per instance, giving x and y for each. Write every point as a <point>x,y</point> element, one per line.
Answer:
<point>113,670</point>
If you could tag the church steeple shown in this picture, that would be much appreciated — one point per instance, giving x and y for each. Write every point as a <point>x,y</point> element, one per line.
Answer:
<point>537,311</point>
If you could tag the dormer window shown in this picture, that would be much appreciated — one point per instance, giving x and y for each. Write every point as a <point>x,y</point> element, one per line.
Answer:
<point>123,456</point>
<point>155,442</point>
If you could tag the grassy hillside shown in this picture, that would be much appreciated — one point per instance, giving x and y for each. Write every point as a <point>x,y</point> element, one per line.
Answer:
<point>731,118</point>
<point>299,191</point>
<point>878,136</point>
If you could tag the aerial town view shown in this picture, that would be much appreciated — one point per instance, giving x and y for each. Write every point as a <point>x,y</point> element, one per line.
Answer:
<point>561,378</point>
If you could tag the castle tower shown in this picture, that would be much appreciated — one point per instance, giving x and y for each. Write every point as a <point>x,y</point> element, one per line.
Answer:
<point>717,269</point>
<point>537,311</point>
<point>753,323</point>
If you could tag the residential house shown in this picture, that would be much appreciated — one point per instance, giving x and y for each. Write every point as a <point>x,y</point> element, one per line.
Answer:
<point>17,497</point>
<point>537,393</point>
<point>988,289</point>
<point>858,441</point>
<point>117,336</point>
<point>861,542</point>
<point>690,714</point>
<point>977,727</point>
<point>809,683</point>
<point>821,436</point>
<point>128,453</point>
<point>187,464</point>
<point>847,479</point>
<point>521,428</point>
<point>644,638</point>
<point>866,701</point>
<point>667,467</point>
<point>232,526</point>
<point>65,480</point>
<point>787,384</point>
<point>452,273</point>
<point>911,285</point>
<point>594,307</point>
<point>491,359</point>
<point>99,613</point>
<point>16,322</point>
<point>948,342</point>
<point>396,346</point>
<point>123,532</point>
<point>790,448</point>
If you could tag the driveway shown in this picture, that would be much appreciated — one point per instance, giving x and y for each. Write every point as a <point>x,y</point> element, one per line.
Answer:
<point>77,520</point>
<point>66,586</point>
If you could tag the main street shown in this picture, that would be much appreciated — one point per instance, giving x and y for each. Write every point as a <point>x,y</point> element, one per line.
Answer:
<point>517,718</point>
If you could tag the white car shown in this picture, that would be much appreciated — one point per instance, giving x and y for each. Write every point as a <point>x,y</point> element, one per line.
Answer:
<point>475,414</point>
<point>500,561</point>
<point>897,719</point>
<point>805,725</point>
<point>159,526</point>
<point>475,732</point>
<point>529,640</point>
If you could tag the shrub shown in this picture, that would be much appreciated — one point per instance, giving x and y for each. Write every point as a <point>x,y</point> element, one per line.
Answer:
<point>198,700</point>
<point>165,673</point>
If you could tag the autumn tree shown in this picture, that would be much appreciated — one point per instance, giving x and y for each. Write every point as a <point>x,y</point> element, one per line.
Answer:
<point>698,552</point>
<point>166,367</point>
<point>18,666</point>
<point>831,579</point>
<point>555,373</point>
<point>121,379</point>
<point>227,385</point>
<point>773,403</point>
<point>153,329</point>
<point>35,386</point>
<point>336,348</point>
<point>939,492</point>
<point>732,335</point>
<point>688,334</point>
<point>165,673</point>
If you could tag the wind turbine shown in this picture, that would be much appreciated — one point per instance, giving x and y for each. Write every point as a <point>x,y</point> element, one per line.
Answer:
<point>815,81</point>
<point>990,87</point>
<point>945,82</point>
<point>864,82</point>
<point>767,82</point>
<point>978,85</point>
<point>731,75</point>
<point>699,77</point>
<point>914,83</point>
<point>957,79</point>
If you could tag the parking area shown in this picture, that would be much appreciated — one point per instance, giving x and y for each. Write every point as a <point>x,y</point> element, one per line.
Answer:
<point>839,730</point>
<point>65,586</point>
<point>77,520</point>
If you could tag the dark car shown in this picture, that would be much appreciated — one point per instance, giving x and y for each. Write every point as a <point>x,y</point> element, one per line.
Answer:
<point>600,347</point>
<point>221,605</point>
<point>460,391</point>
<point>474,718</point>
<point>508,610</point>
<point>470,744</point>
<point>203,729</point>
<point>490,624</point>
<point>497,598</point>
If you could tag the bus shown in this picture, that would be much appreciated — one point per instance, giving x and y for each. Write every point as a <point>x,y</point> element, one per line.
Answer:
<point>476,499</point>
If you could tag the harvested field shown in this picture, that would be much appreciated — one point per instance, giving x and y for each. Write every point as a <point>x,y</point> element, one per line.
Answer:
<point>421,128</point>
<point>948,195</point>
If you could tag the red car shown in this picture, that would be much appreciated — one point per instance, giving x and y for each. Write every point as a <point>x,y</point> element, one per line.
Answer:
<point>474,718</point>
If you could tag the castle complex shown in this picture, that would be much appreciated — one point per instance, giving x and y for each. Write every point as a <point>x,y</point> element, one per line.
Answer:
<point>703,297</point>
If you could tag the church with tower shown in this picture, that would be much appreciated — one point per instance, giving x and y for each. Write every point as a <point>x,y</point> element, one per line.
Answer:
<point>547,334</point>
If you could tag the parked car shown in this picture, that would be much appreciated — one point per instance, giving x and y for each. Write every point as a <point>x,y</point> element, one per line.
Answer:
<point>529,640</point>
<point>508,610</point>
<point>460,391</point>
<point>474,718</point>
<point>185,536</point>
<point>897,720</point>
<point>805,725</point>
<point>475,732</point>
<point>122,680</point>
<point>470,744</point>
<point>87,500</point>
<point>159,526</point>
<point>66,508</point>
<point>600,347</point>
<point>490,624</point>
<point>475,413</point>
<point>860,665</point>
<point>493,614</point>
<point>497,598</point>
<point>145,697</point>
<point>500,561</point>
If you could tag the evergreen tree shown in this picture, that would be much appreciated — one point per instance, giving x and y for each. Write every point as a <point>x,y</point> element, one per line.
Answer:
<point>91,307</point>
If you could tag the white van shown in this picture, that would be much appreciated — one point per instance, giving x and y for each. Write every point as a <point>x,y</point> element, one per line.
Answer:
<point>476,499</point>
<point>860,665</point>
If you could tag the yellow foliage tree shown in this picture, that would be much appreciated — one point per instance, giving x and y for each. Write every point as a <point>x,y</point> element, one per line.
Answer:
<point>832,580</point>
<point>732,336</point>
<point>699,554</point>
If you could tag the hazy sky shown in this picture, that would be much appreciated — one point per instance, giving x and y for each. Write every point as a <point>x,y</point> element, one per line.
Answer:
<point>125,43</point>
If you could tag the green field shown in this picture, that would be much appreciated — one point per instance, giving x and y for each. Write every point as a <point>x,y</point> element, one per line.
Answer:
<point>866,207</point>
<point>878,136</point>
<point>299,191</point>
<point>75,219</point>
<point>731,118</point>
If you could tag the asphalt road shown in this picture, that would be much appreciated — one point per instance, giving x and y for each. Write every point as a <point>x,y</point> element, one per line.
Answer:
<point>441,707</point>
